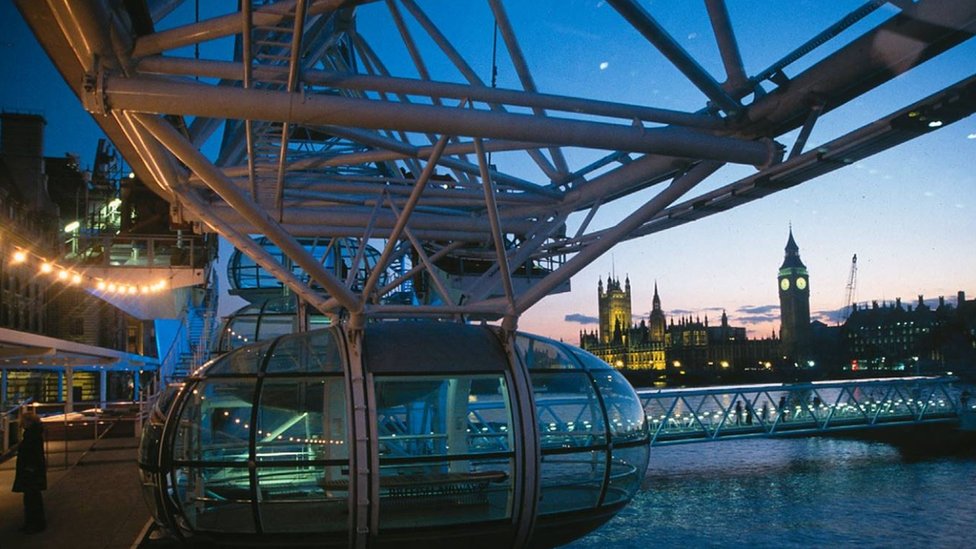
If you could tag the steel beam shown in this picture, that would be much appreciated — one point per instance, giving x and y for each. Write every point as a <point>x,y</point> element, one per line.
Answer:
<point>404,216</point>
<point>155,96</point>
<point>293,69</point>
<point>226,25</point>
<point>458,61</point>
<point>418,246</point>
<point>247,51</point>
<point>496,229</point>
<point>356,217</point>
<point>736,78</point>
<point>905,41</point>
<point>884,133</point>
<point>679,186</point>
<point>161,162</point>
<point>265,260</point>
<point>228,70</point>
<point>522,70</point>
<point>821,38</point>
<point>522,254</point>
<point>187,154</point>
<point>682,60</point>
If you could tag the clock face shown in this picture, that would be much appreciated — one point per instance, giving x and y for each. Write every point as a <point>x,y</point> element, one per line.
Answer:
<point>801,283</point>
<point>784,284</point>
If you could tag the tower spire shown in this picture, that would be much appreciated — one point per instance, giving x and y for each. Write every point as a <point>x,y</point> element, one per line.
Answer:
<point>794,304</point>
<point>791,258</point>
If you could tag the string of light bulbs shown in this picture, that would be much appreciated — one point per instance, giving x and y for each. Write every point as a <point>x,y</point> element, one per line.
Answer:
<point>72,277</point>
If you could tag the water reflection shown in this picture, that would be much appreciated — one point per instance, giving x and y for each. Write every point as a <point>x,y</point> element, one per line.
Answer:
<point>796,493</point>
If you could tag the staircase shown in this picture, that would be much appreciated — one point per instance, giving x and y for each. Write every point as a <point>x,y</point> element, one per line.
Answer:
<point>199,320</point>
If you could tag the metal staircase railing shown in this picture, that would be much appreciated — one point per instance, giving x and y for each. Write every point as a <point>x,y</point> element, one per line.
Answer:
<point>208,324</point>
<point>169,366</point>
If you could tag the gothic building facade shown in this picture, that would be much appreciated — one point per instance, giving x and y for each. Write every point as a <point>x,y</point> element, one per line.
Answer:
<point>794,306</point>
<point>682,345</point>
<point>691,344</point>
<point>890,337</point>
<point>619,341</point>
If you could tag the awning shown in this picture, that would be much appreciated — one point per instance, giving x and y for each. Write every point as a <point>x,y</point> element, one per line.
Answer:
<point>23,350</point>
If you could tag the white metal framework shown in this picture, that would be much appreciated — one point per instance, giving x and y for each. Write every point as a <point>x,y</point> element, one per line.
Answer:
<point>329,133</point>
<point>678,416</point>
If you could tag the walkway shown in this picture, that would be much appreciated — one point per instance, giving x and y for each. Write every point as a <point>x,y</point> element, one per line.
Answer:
<point>93,498</point>
<point>679,416</point>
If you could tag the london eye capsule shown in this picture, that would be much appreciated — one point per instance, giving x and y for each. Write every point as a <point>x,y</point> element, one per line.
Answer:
<point>434,433</point>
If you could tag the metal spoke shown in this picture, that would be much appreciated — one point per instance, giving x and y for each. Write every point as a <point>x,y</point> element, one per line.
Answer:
<point>736,78</point>
<point>222,26</point>
<point>408,208</point>
<point>496,229</point>
<point>522,69</point>
<point>369,120</point>
<point>229,192</point>
<point>657,35</point>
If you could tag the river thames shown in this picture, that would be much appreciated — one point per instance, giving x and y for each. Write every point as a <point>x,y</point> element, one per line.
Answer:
<point>810,492</point>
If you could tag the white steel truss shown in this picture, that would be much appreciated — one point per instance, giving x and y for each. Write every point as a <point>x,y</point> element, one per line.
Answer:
<point>329,133</point>
<point>679,416</point>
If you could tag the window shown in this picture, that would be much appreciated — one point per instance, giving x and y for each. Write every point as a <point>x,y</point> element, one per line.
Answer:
<point>76,326</point>
<point>445,449</point>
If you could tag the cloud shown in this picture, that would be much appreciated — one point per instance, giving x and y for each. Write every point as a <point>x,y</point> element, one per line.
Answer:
<point>677,312</point>
<point>756,314</point>
<point>759,309</point>
<point>833,317</point>
<point>604,65</point>
<point>581,318</point>
<point>756,319</point>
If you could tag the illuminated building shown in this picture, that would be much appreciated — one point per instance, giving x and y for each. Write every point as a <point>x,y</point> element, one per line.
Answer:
<point>686,345</point>
<point>41,305</point>
<point>919,338</point>
<point>619,341</point>
<point>794,305</point>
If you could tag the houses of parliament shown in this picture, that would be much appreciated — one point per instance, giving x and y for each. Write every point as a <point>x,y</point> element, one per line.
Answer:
<point>873,339</point>
<point>656,344</point>
<point>692,343</point>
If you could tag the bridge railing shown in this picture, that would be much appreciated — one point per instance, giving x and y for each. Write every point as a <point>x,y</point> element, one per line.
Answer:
<point>698,415</point>
<point>678,416</point>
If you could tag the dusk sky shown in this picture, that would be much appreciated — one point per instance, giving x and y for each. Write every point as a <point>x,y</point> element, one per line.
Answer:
<point>907,213</point>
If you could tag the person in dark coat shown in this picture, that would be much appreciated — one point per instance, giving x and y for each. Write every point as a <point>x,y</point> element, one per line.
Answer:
<point>31,475</point>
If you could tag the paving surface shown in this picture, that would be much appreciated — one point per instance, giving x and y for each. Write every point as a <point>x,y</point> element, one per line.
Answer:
<point>93,500</point>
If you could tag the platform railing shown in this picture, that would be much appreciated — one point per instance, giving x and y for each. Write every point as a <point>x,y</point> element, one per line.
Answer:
<point>159,251</point>
<point>10,425</point>
<point>71,434</point>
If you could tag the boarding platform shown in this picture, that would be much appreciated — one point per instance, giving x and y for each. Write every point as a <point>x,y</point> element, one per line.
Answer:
<point>93,499</point>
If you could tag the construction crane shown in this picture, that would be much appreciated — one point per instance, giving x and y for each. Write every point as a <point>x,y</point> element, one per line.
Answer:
<point>851,289</point>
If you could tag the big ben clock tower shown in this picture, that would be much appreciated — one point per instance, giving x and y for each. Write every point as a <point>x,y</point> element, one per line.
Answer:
<point>794,305</point>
